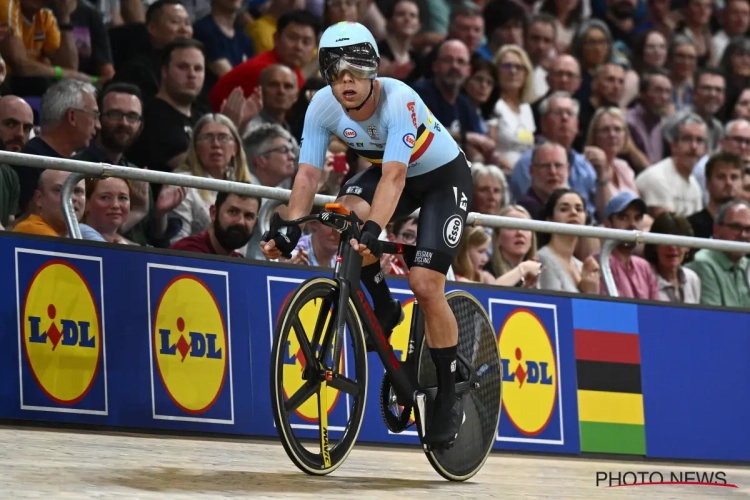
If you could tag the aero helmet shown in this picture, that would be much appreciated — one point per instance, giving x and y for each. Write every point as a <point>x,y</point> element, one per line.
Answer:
<point>348,46</point>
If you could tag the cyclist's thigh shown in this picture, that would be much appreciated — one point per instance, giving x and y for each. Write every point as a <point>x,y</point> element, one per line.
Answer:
<point>446,198</point>
<point>363,186</point>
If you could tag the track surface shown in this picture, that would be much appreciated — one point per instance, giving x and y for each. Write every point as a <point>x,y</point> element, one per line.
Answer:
<point>36,463</point>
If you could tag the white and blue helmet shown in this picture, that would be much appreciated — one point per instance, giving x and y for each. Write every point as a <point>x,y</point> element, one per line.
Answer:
<point>348,46</point>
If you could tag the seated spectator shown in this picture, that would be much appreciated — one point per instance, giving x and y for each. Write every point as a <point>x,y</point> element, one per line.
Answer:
<point>169,118</point>
<point>681,61</point>
<point>69,121</point>
<point>262,29</point>
<point>442,95</point>
<point>549,172</point>
<point>166,21</point>
<point>607,87</point>
<point>608,132</point>
<point>736,21</point>
<point>564,76</point>
<point>16,123</point>
<point>742,106</point>
<point>593,46</point>
<point>676,282</point>
<point>562,270</point>
<point>92,41</point>
<point>723,275</point>
<point>723,183</point>
<point>294,43</point>
<point>279,89</point>
<point>669,186</point>
<point>736,140</point>
<point>489,189</point>
<point>121,124</point>
<point>397,57</point>
<point>40,44</point>
<point>270,155</point>
<point>632,274</point>
<point>645,118</point>
<point>107,209</point>
<point>482,89</point>
<point>504,24</point>
<point>233,220</point>
<point>539,44</point>
<point>48,218</point>
<point>559,124</point>
<point>226,46</point>
<point>471,258</point>
<point>514,127</point>
<point>511,247</point>
<point>215,152</point>
<point>317,248</point>
<point>403,231</point>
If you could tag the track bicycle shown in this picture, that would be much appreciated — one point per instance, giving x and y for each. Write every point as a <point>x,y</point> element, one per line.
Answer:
<point>343,310</point>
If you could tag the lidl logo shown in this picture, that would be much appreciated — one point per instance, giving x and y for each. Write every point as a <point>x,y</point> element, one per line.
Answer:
<point>280,290</point>
<point>400,336</point>
<point>61,332</point>
<point>531,402</point>
<point>190,344</point>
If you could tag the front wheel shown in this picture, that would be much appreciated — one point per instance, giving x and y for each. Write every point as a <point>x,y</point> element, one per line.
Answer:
<point>302,367</point>
<point>479,362</point>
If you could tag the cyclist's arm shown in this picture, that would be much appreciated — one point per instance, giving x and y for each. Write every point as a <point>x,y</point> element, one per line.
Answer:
<point>388,192</point>
<point>303,191</point>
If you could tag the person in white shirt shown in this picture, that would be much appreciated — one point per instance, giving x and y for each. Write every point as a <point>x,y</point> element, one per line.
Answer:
<point>736,23</point>
<point>514,129</point>
<point>669,186</point>
<point>539,42</point>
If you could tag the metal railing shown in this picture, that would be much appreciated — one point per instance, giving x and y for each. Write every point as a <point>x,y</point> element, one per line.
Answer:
<point>104,170</point>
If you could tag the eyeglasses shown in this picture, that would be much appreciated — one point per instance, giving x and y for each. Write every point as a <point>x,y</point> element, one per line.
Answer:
<point>285,150</point>
<point>116,115</point>
<point>408,237</point>
<point>95,114</point>
<point>518,68</point>
<point>209,138</point>
<point>738,228</point>
<point>686,139</point>
<point>740,141</point>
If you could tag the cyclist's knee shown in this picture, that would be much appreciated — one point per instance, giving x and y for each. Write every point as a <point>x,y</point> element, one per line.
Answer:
<point>355,204</point>
<point>428,285</point>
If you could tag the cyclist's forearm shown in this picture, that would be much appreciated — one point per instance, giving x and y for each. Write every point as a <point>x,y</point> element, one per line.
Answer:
<point>388,193</point>
<point>303,191</point>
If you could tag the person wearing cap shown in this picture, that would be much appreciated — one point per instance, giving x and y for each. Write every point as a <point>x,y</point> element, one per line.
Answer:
<point>633,275</point>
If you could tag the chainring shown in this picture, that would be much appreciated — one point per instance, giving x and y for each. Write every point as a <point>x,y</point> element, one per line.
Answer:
<point>396,418</point>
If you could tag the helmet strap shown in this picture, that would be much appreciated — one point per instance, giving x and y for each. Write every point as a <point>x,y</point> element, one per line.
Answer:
<point>372,87</point>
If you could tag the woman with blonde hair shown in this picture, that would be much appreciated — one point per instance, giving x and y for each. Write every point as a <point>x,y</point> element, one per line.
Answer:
<point>513,127</point>
<point>216,152</point>
<point>609,132</point>
<point>107,209</point>
<point>511,247</point>
<point>471,258</point>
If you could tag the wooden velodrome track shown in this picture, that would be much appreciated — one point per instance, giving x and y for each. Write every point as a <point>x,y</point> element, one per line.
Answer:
<point>44,463</point>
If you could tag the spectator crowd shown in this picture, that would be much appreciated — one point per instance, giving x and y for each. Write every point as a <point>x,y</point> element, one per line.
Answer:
<point>628,114</point>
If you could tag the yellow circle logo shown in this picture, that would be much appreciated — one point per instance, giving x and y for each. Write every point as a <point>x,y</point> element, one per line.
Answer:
<point>190,342</point>
<point>529,372</point>
<point>294,362</point>
<point>61,332</point>
<point>400,337</point>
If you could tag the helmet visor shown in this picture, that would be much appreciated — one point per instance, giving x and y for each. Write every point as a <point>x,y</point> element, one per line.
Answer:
<point>360,60</point>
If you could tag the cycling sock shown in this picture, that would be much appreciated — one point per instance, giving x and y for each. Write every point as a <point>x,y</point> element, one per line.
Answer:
<point>372,277</point>
<point>445,366</point>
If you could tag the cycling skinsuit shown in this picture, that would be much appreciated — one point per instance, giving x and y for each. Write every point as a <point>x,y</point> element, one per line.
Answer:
<point>402,129</point>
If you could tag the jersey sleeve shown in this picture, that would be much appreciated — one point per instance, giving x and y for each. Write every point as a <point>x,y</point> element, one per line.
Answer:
<point>400,116</point>
<point>317,129</point>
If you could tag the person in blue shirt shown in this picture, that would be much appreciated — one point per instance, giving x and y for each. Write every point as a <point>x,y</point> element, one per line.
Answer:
<point>416,164</point>
<point>226,46</point>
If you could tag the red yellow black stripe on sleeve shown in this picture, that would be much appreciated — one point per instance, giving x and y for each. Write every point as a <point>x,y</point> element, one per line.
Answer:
<point>424,139</point>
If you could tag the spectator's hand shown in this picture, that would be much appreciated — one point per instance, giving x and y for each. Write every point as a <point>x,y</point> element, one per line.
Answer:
<point>590,276</point>
<point>241,110</point>
<point>530,270</point>
<point>385,262</point>
<point>596,157</point>
<point>301,258</point>
<point>169,198</point>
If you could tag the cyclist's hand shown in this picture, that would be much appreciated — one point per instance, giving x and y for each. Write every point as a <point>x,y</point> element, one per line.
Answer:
<point>369,244</point>
<point>280,244</point>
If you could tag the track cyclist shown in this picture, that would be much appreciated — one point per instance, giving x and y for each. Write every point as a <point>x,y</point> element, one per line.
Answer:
<point>416,163</point>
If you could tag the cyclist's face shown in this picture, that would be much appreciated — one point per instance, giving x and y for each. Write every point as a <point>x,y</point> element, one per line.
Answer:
<point>350,91</point>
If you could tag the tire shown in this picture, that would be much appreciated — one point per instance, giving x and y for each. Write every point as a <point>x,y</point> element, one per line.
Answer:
<point>311,463</point>
<point>477,344</point>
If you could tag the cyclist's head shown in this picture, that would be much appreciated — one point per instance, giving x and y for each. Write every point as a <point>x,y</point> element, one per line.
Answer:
<point>348,58</point>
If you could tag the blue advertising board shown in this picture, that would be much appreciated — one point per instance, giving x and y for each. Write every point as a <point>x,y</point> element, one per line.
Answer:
<point>127,337</point>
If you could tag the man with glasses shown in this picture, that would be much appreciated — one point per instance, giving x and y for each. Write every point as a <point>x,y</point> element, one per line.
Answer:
<point>724,274</point>
<point>403,231</point>
<point>669,186</point>
<point>549,171</point>
<point>69,121</point>
<point>121,122</point>
<point>564,76</point>
<point>724,182</point>
<point>736,140</point>
<point>270,155</point>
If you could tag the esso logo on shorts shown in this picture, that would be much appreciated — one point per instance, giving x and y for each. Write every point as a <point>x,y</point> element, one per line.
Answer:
<point>409,140</point>
<point>452,231</point>
<point>350,133</point>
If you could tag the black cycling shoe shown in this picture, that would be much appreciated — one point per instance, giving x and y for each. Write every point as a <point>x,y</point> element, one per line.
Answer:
<point>447,418</point>
<point>388,320</point>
